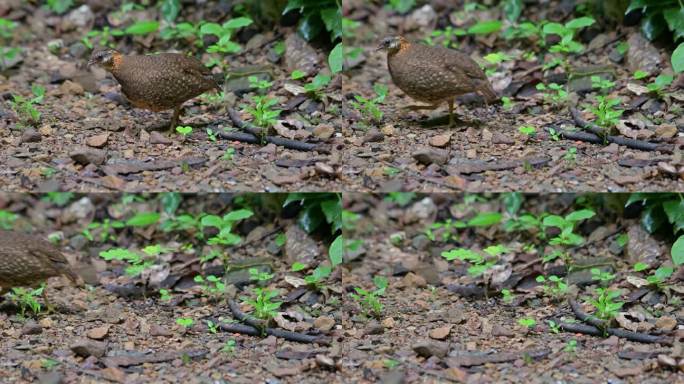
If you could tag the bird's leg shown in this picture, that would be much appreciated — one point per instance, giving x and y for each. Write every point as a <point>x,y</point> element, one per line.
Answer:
<point>48,305</point>
<point>174,119</point>
<point>451,113</point>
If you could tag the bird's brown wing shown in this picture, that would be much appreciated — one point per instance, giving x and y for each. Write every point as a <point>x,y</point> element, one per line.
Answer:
<point>475,74</point>
<point>196,69</point>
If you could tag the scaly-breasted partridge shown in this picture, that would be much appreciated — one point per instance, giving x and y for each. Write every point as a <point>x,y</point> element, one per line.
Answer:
<point>158,82</point>
<point>27,260</point>
<point>434,74</point>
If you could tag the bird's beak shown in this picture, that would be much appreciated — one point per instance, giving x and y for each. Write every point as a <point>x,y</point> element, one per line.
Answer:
<point>91,62</point>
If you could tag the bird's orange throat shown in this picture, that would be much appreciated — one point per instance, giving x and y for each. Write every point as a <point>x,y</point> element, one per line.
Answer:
<point>117,59</point>
<point>403,47</point>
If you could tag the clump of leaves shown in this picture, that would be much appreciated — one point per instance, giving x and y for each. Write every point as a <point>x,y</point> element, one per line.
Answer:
<point>479,263</point>
<point>185,322</point>
<point>567,33</point>
<point>262,111</point>
<point>370,300</point>
<point>225,226</point>
<point>25,108</point>
<point>659,85</point>
<point>369,107</point>
<point>136,263</point>
<point>26,299</point>
<point>553,93</point>
<point>567,225</point>
<point>317,17</point>
<point>7,219</point>
<point>606,306</point>
<point>224,32</point>
<point>553,286</point>
<point>211,286</point>
<point>607,115</point>
<point>264,308</point>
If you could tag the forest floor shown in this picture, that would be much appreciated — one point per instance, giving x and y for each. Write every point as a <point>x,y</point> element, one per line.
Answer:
<point>120,328</point>
<point>485,150</point>
<point>89,138</point>
<point>439,324</point>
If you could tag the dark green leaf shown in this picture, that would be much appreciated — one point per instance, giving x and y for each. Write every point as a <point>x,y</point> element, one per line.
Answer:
<point>678,251</point>
<point>678,58</point>
<point>143,219</point>
<point>142,28</point>
<point>485,27</point>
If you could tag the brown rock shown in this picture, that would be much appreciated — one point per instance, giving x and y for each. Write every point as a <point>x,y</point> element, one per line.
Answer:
<point>440,141</point>
<point>98,333</point>
<point>97,141</point>
<point>440,333</point>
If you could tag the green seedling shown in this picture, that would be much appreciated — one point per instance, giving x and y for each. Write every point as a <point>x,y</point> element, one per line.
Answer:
<point>318,276</point>
<point>369,107</point>
<point>7,219</point>
<point>225,226</point>
<point>607,115</point>
<point>527,322</point>
<point>507,103</point>
<point>211,135</point>
<point>297,74</point>
<point>257,83</point>
<point>183,31</point>
<point>603,277</point>
<point>212,327</point>
<point>567,225</point>
<point>527,30</point>
<point>479,264</point>
<point>567,32</point>
<point>48,363</point>
<point>228,154</point>
<point>264,115</point>
<point>59,6</point>
<point>229,347</point>
<point>27,299</point>
<point>556,287</point>
<point>507,296</point>
<point>370,300</point>
<point>639,74</point>
<point>553,326</point>
<point>25,108</point>
<point>597,82</point>
<point>571,155</point>
<point>390,363</point>
<point>391,171</point>
<point>211,286</point>
<point>527,130</point>
<point>224,32</point>
<point>264,308</point>
<point>659,85</point>
<point>606,306</point>
<point>185,322</point>
<point>571,346</point>
<point>402,6</point>
<point>164,295</point>
<point>447,37</point>
<point>317,85</point>
<point>7,28</point>
<point>659,277</point>
<point>259,276</point>
<point>638,267</point>
<point>280,240</point>
<point>136,263</point>
<point>185,131</point>
<point>556,93</point>
<point>495,59</point>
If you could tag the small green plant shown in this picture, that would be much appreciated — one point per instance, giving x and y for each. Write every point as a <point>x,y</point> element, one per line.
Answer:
<point>370,300</point>
<point>638,267</point>
<point>479,264</point>
<point>597,82</point>
<point>7,219</point>
<point>164,295</point>
<point>659,277</point>
<point>553,326</point>
<point>369,107</point>
<point>659,85</point>
<point>567,33</point>
<point>527,322</point>
<point>553,93</point>
<point>225,226</point>
<point>571,155</point>
<point>228,154</point>
<point>391,171</point>
<point>224,32</point>
<point>185,131</point>
<point>606,306</point>
<point>264,115</point>
<point>507,103</point>
<point>212,286</point>
<point>229,347</point>
<point>318,276</point>
<point>26,299</point>
<point>607,115</point>
<point>59,6</point>
<point>264,308</point>
<point>317,85</point>
<point>49,364</point>
<point>25,108</point>
<point>447,36</point>
<point>259,276</point>
<point>257,83</point>
<point>567,225</point>
<point>639,74</point>
<point>137,263</point>
<point>603,277</point>
<point>507,296</point>
<point>402,6</point>
<point>185,322</point>
<point>495,59</point>
<point>556,287</point>
<point>527,130</point>
<point>106,228</point>
<point>390,363</point>
<point>212,327</point>
<point>571,346</point>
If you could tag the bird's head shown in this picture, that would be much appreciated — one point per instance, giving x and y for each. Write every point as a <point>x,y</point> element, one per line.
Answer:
<point>106,58</point>
<point>392,44</point>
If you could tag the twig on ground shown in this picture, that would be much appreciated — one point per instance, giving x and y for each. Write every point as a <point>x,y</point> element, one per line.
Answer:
<point>627,142</point>
<point>595,328</point>
<point>255,327</point>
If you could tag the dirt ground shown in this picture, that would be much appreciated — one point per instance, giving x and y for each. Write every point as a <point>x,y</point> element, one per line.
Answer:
<point>431,329</point>
<point>91,139</point>
<point>416,151</point>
